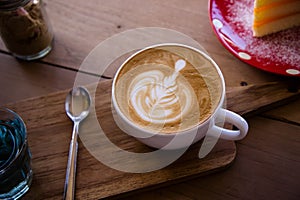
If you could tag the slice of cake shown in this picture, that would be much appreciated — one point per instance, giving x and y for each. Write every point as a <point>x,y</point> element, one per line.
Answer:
<point>271,16</point>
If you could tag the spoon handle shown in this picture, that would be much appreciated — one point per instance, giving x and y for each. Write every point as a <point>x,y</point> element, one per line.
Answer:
<point>69,189</point>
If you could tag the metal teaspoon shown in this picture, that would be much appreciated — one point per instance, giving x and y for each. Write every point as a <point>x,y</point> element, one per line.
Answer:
<point>77,107</point>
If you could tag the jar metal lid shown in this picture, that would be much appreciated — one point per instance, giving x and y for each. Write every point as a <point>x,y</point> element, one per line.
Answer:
<point>6,5</point>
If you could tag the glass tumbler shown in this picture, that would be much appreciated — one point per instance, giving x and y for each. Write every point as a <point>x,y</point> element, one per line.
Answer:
<point>15,156</point>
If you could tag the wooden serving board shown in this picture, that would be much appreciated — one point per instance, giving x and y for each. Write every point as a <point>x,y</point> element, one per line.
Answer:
<point>49,133</point>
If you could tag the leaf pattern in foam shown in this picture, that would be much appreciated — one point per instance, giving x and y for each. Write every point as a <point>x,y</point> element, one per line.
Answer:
<point>154,95</point>
<point>163,94</point>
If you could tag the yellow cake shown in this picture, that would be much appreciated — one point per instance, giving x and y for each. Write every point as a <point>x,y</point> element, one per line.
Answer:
<point>271,16</point>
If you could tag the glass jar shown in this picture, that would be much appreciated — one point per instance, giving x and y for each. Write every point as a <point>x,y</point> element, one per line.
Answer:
<point>25,28</point>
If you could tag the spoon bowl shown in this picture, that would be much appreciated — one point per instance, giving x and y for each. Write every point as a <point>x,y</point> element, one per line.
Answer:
<point>77,104</point>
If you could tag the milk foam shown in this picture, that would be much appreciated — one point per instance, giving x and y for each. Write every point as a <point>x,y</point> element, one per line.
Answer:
<point>155,96</point>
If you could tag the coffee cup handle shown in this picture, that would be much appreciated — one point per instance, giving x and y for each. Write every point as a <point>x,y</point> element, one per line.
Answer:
<point>234,119</point>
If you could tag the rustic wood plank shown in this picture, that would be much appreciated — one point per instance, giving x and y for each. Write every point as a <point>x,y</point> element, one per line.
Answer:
<point>20,80</point>
<point>286,113</point>
<point>250,98</point>
<point>80,25</point>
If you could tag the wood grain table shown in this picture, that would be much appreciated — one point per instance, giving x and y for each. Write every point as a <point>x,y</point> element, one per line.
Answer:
<point>267,161</point>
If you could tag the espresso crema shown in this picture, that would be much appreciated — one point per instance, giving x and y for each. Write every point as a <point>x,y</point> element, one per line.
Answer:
<point>160,90</point>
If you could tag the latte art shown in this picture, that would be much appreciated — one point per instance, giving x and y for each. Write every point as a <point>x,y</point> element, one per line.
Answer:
<point>158,98</point>
<point>162,92</point>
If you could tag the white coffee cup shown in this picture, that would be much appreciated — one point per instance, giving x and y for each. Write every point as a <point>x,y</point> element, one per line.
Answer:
<point>156,136</point>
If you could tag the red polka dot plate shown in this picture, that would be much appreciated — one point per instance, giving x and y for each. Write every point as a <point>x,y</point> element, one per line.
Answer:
<point>277,53</point>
